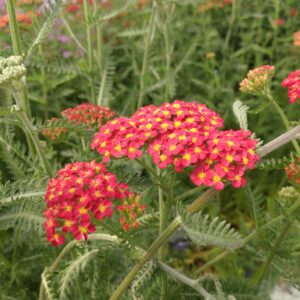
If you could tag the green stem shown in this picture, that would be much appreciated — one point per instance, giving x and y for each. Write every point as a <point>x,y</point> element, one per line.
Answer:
<point>33,136</point>
<point>277,244</point>
<point>72,34</point>
<point>13,25</point>
<point>194,284</point>
<point>150,172</point>
<point>145,58</point>
<point>200,201</point>
<point>275,27</point>
<point>16,42</point>
<point>87,14</point>
<point>162,238</point>
<point>44,85</point>
<point>99,41</point>
<point>190,193</point>
<point>232,20</point>
<point>162,224</point>
<point>283,118</point>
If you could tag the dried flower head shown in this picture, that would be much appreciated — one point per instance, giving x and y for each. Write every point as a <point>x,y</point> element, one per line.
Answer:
<point>292,83</point>
<point>80,191</point>
<point>258,80</point>
<point>181,135</point>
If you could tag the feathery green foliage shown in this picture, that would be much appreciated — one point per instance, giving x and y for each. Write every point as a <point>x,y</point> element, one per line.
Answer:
<point>205,231</point>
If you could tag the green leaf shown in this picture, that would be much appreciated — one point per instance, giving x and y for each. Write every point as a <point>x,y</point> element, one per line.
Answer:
<point>205,231</point>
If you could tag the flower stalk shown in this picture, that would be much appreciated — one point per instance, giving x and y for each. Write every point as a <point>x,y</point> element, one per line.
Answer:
<point>16,42</point>
<point>87,14</point>
<point>146,52</point>
<point>162,238</point>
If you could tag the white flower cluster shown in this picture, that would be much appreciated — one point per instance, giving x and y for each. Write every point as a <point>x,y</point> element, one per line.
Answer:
<point>11,69</point>
<point>288,193</point>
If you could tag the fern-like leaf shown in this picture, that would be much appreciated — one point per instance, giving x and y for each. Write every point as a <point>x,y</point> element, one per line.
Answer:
<point>143,275</point>
<point>119,7</point>
<point>104,93</point>
<point>12,192</point>
<point>49,13</point>
<point>27,215</point>
<point>205,231</point>
<point>240,112</point>
<point>72,272</point>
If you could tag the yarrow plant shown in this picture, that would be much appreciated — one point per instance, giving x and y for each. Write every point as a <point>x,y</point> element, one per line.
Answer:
<point>292,83</point>
<point>172,158</point>
<point>82,191</point>
<point>181,134</point>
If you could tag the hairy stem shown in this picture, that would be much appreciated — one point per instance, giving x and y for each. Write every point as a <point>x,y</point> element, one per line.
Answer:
<point>190,193</point>
<point>194,284</point>
<point>162,238</point>
<point>279,141</point>
<point>145,57</point>
<point>200,201</point>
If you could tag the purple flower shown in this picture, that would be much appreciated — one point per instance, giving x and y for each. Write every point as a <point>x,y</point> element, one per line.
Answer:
<point>64,39</point>
<point>66,54</point>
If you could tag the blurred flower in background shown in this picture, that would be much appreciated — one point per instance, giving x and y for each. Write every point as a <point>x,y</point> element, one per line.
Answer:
<point>296,37</point>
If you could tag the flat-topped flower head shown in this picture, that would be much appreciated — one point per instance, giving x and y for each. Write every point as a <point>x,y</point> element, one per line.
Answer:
<point>91,114</point>
<point>258,80</point>
<point>292,83</point>
<point>182,135</point>
<point>81,192</point>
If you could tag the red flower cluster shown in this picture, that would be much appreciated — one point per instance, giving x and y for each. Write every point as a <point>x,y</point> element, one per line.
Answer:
<point>87,113</point>
<point>79,191</point>
<point>56,133</point>
<point>293,172</point>
<point>292,83</point>
<point>258,80</point>
<point>181,134</point>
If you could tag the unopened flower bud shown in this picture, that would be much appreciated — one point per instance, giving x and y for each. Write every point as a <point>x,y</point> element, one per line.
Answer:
<point>258,80</point>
